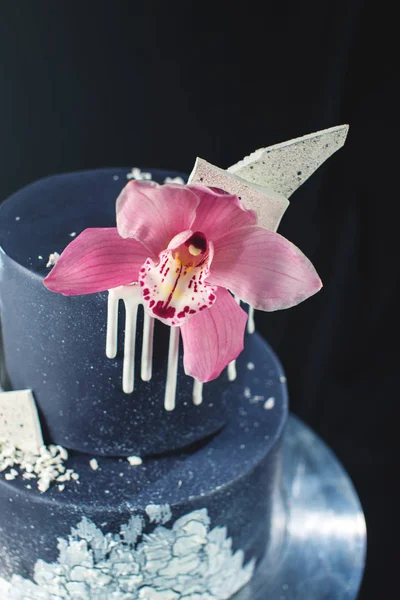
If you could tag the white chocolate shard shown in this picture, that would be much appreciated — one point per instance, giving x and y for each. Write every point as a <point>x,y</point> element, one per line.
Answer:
<point>19,421</point>
<point>268,177</point>
<point>268,205</point>
<point>286,166</point>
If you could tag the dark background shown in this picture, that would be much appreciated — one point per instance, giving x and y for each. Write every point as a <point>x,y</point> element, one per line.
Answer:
<point>150,84</point>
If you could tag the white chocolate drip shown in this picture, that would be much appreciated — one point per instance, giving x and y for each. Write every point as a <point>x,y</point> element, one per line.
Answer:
<point>232,371</point>
<point>147,347</point>
<point>172,369</point>
<point>251,326</point>
<point>112,324</point>
<point>197,392</point>
<point>132,297</point>
<point>232,365</point>
<point>128,373</point>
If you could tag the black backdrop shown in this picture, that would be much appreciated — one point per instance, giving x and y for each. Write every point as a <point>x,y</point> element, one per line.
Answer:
<point>92,84</point>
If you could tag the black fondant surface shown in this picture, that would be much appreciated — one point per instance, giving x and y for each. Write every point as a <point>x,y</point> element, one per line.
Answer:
<point>233,474</point>
<point>55,345</point>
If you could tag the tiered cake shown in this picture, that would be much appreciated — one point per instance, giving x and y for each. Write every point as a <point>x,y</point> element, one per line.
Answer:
<point>149,482</point>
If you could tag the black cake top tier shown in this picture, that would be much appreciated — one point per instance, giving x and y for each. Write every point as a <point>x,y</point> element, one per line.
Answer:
<point>55,345</point>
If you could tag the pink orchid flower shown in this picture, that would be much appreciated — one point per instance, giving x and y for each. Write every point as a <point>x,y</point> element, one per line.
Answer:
<point>187,246</point>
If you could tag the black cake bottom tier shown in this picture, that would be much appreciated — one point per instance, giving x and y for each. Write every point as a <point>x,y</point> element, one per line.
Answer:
<point>192,524</point>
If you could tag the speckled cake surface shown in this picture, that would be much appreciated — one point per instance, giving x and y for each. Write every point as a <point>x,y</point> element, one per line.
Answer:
<point>161,505</point>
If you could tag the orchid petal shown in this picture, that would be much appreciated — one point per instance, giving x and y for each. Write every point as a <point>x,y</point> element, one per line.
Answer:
<point>213,338</point>
<point>263,268</point>
<point>173,292</point>
<point>97,260</point>
<point>219,212</point>
<point>154,214</point>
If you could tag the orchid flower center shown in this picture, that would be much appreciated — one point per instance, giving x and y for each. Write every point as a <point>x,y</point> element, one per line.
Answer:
<point>175,288</point>
<point>192,253</point>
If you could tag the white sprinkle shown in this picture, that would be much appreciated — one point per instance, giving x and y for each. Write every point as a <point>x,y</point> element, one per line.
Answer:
<point>134,461</point>
<point>72,234</point>
<point>40,257</point>
<point>247,392</point>
<point>255,399</point>
<point>28,487</point>
<point>180,483</point>
<point>9,476</point>
<point>17,218</point>
<point>94,464</point>
<point>282,379</point>
<point>53,258</point>
<point>242,446</point>
<point>61,487</point>
<point>115,177</point>
<point>75,476</point>
<point>106,491</point>
<point>250,366</point>
<point>270,403</point>
<point>174,180</point>
<point>121,474</point>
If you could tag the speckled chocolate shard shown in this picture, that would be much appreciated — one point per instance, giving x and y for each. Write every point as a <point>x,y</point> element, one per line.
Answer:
<point>19,421</point>
<point>286,166</point>
<point>266,179</point>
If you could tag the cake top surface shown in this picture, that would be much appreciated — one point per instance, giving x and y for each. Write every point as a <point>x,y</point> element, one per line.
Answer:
<point>45,216</point>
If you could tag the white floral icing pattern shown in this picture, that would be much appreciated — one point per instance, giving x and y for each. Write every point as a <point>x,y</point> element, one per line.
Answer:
<point>185,562</point>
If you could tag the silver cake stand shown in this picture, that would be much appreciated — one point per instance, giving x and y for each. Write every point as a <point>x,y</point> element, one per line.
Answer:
<point>318,543</point>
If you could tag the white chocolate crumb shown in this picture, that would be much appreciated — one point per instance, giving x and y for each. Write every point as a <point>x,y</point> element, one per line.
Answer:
<point>53,258</point>
<point>138,175</point>
<point>174,180</point>
<point>40,257</point>
<point>72,234</point>
<point>61,487</point>
<point>46,467</point>
<point>94,464</point>
<point>270,403</point>
<point>247,392</point>
<point>282,379</point>
<point>180,483</point>
<point>134,461</point>
<point>250,366</point>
